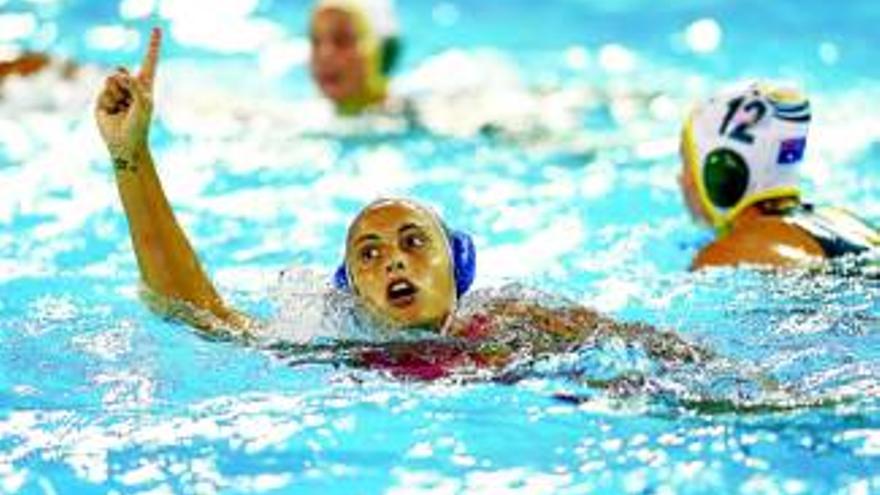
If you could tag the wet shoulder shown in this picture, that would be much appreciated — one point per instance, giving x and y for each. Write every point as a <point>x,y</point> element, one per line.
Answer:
<point>768,241</point>
<point>520,316</point>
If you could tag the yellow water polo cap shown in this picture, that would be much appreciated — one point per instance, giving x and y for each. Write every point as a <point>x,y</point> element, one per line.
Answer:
<point>745,145</point>
<point>380,22</point>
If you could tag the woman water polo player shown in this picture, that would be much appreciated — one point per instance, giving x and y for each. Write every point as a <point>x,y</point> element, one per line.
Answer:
<point>355,46</point>
<point>403,267</point>
<point>740,154</point>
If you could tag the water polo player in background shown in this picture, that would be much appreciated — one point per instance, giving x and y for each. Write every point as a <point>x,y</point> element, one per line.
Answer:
<point>403,267</point>
<point>355,46</point>
<point>740,152</point>
<point>23,65</point>
<point>29,64</point>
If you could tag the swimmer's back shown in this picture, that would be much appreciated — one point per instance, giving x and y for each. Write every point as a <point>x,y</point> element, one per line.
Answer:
<point>792,238</point>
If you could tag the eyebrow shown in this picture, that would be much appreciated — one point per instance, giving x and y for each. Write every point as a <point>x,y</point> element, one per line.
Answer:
<point>367,237</point>
<point>409,226</point>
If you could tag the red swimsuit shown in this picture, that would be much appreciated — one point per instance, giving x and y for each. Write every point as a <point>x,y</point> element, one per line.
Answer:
<point>430,360</point>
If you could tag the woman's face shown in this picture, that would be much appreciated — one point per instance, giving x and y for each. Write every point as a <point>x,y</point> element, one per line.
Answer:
<point>339,63</point>
<point>399,261</point>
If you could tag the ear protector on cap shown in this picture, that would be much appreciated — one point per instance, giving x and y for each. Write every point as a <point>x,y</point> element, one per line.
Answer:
<point>726,177</point>
<point>391,48</point>
<point>464,263</point>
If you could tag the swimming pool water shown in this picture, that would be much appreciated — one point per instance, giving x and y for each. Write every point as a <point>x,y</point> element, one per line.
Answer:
<point>97,395</point>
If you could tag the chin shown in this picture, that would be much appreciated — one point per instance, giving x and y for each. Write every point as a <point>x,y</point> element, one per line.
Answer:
<point>417,321</point>
<point>331,92</point>
<point>332,95</point>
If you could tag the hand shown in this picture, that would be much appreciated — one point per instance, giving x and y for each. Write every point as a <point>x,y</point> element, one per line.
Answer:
<point>125,107</point>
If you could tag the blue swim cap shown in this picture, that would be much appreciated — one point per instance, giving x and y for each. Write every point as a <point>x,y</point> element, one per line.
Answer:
<point>464,263</point>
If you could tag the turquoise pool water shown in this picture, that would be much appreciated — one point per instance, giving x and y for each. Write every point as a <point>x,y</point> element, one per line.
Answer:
<point>97,395</point>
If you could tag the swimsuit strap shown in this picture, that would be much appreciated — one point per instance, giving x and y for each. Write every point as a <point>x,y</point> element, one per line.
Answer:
<point>837,231</point>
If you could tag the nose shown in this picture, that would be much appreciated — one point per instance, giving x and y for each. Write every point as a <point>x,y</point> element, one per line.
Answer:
<point>319,49</point>
<point>322,49</point>
<point>394,265</point>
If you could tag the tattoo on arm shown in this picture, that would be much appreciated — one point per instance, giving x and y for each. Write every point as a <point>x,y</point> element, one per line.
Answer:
<point>124,165</point>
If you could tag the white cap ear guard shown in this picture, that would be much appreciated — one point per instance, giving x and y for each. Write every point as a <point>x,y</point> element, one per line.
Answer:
<point>744,146</point>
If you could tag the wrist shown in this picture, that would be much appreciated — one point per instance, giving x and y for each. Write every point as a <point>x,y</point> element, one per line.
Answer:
<point>127,159</point>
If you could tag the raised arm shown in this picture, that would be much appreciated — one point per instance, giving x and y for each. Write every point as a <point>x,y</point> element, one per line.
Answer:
<point>175,282</point>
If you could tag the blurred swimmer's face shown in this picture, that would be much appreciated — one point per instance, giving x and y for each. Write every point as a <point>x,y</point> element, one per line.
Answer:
<point>339,65</point>
<point>399,262</point>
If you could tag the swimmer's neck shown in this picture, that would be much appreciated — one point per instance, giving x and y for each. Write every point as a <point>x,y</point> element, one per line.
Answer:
<point>371,97</point>
<point>439,325</point>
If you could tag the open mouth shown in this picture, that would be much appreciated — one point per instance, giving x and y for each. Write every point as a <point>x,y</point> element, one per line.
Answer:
<point>329,79</point>
<point>401,293</point>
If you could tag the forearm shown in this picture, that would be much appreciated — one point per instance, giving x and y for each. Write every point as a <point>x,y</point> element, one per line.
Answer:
<point>168,264</point>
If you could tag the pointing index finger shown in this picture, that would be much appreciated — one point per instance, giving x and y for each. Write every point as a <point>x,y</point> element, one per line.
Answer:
<point>151,59</point>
